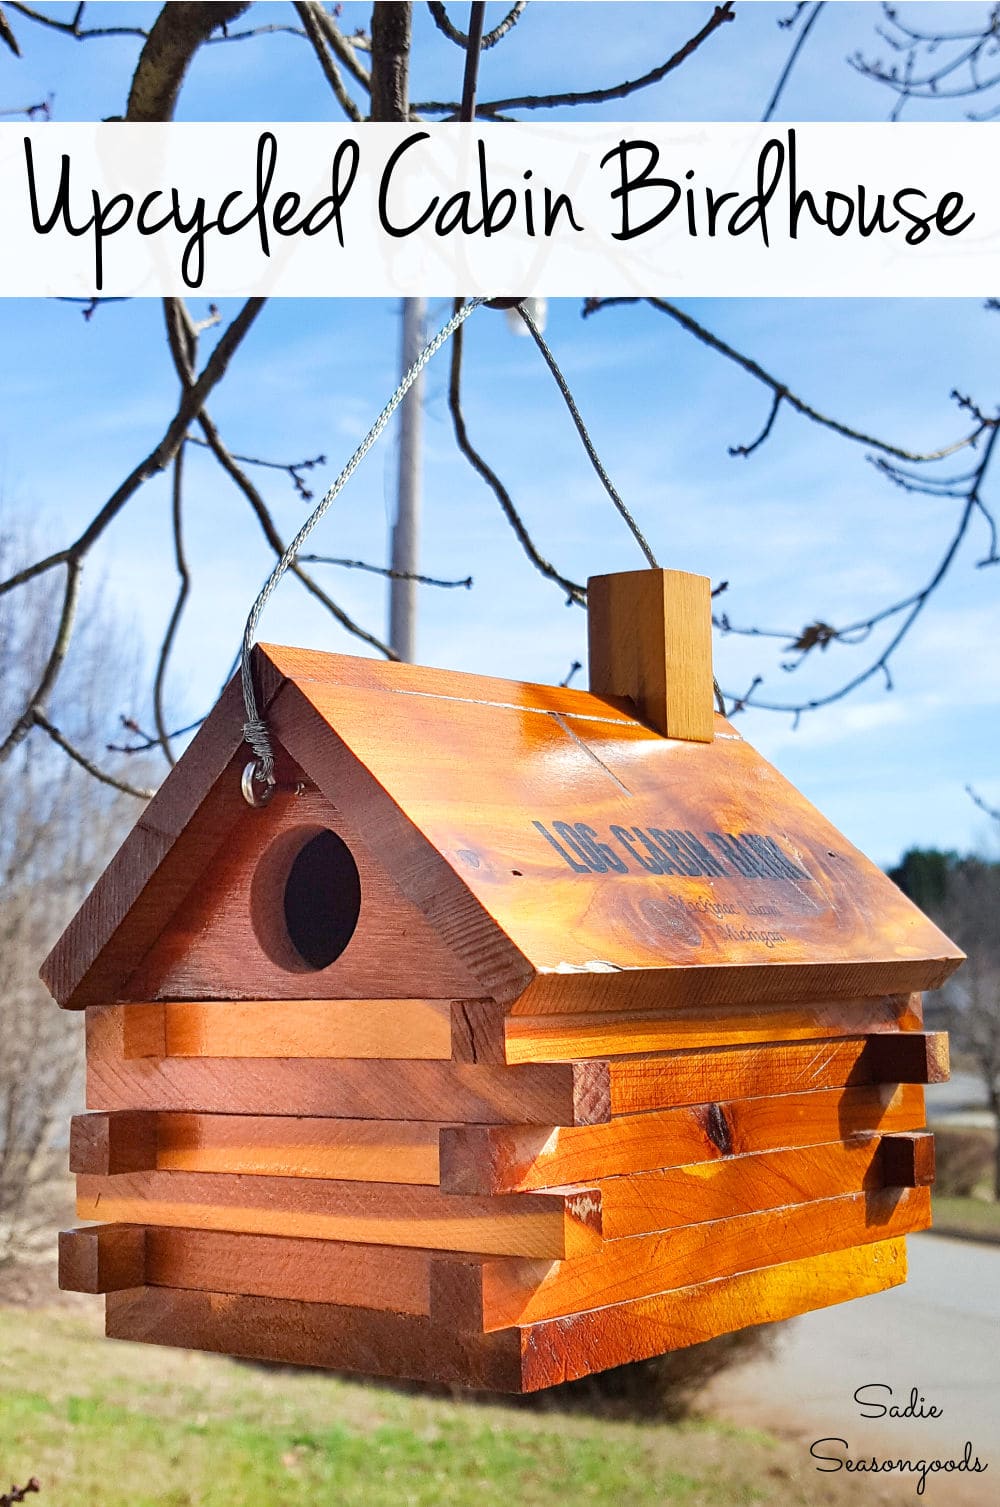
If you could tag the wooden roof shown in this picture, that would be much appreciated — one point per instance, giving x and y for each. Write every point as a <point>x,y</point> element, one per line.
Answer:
<point>573,857</point>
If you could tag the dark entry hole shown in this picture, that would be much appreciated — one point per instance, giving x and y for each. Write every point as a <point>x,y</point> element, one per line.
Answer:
<point>322,900</point>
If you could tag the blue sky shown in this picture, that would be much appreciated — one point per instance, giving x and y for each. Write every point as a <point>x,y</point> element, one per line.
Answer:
<point>803,529</point>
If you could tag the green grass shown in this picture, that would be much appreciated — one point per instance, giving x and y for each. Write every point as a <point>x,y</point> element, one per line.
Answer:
<point>973,1217</point>
<point>105,1424</point>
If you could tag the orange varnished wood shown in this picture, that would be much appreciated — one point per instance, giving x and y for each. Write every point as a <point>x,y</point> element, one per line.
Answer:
<point>512,1360</point>
<point>537,1093</point>
<point>562,1349</point>
<point>538,1224</point>
<point>218,941</point>
<point>565,1038</point>
<point>174,840</point>
<point>457,834</point>
<point>485,1159</point>
<point>641,1083</point>
<point>674,1196</point>
<point>625,937</point>
<point>490,1293</point>
<point>378,1151</point>
<point>388,1151</point>
<point>624,1052</point>
<point>650,639</point>
<point>418,1029</point>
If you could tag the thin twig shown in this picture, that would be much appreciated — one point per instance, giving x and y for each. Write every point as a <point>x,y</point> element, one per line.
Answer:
<point>781,389</point>
<point>38,700</point>
<point>73,28</point>
<point>443,23</point>
<point>388,573</point>
<point>721,14</point>
<point>793,57</point>
<point>575,593</point>
<point>331,72</point>
<point>293,469</point>
<point>256,501</point>
<point>141,792</point>
<point>343,47</point>
<point>911,607</point>
<point>977,800</point>
<point>180,602</point>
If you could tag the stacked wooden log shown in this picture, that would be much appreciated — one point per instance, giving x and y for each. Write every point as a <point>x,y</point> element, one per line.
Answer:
<point>504,1201</point>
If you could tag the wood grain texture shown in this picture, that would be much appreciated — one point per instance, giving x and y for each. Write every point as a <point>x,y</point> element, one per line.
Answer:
<point>649,635</point>
<point>566,1038</point>
<point>484,1160</point>
<point>716,1073</point>
<point>605,932</point>
<point>179,832</point>
<point>272,1266</point>
<point>511,1360</point>
<point>144,1030</point>
<point>387,1151</point>
<point>228,938</point>
<point>675,1196</point>
<point>414,1029</point>
<point>378,1151</point>
<point>562,1349</point>
<point>486,1293</point>
<point>334,1336</point>
<point>538,1224</point>
<point>462,839</point>
<point>537,1093</point>
<point>477,1031</point>
<point>107,1258</point>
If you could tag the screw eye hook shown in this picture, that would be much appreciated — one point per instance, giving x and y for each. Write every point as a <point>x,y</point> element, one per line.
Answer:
<point>257,789</point>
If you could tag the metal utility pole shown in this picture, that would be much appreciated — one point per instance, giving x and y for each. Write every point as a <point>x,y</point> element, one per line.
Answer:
<point>406,529</point>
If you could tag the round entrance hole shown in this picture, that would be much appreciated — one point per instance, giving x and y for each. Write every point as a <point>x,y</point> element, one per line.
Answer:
<point>306,899</point>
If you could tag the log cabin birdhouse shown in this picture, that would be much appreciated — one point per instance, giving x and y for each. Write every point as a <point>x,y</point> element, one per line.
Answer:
<point>525,1032</point>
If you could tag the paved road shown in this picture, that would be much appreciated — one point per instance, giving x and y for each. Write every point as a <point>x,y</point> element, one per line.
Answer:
<point>940,1333</point>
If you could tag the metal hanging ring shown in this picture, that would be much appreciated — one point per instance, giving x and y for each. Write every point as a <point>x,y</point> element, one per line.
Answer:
<point>257,790</point>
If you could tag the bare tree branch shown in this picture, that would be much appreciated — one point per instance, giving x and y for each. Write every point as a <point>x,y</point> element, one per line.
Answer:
<point>178,32</point>
<point>819,635</point>
<point>575,593</point>
<point>794,55</point>
<point>75,28</point>
<point>391,41</point>
<point>443,23</point>
<point>331,72</point>
<point>344,47</point>
<point>141,792</point>
<point>783,393</point>
<point>937,64</point>
<point>387,572</point>
<point>977,800</point>
<point>175,332</point>
<point>720,14</point>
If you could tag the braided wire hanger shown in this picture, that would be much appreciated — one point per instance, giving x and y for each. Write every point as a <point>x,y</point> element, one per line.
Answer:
<point>258,777</point>
<point>598,464</point>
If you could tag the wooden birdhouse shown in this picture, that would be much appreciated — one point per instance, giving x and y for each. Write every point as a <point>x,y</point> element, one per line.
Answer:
<point>525,1032</point>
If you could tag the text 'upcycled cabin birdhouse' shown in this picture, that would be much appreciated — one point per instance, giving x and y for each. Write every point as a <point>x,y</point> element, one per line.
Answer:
<point>524,1033</point>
